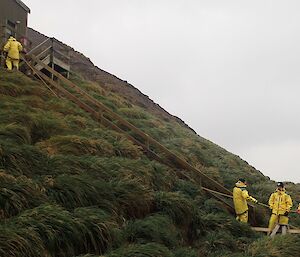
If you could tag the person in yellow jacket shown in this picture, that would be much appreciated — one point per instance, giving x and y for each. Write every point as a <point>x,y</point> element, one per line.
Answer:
<point>280,203</point>
<point>240,198</point>
<point>13,49</point>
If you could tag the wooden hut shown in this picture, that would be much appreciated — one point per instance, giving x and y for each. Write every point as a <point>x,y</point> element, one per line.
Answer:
<point>13,20</point>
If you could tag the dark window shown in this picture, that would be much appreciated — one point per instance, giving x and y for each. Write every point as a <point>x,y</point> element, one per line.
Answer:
<point>11,24</point>
<point>8,31</point>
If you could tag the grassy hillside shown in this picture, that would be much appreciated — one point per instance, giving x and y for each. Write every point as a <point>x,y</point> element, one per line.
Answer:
<point>70,187</point>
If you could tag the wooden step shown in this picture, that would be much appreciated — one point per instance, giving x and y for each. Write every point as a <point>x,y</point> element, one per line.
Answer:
<point>266,230</point>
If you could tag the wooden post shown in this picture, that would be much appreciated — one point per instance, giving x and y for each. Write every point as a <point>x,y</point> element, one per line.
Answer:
<point>52,57</point>
<point>2,42</point>
<point>147,142</point>
<point>283,228</point>
<point>275,230</point>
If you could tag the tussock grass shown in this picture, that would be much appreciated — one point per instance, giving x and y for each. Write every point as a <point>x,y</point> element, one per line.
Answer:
<point>59,232</point>
<point>102,231</point>
<point>76,145</point>
<point>222,221</point>
<point>11,89</point>
<point>76,122</point>
<point>211,205</point>
<point>178,207</point>
<point>127,197</point>
<point>37,102</point>
<point>90,255</point>
<point>186,252</point>
<point>29,125</point>
<point>20,242</point>
<point>149,173</point>
<point>22,159</point>
<point>187,188</point>
<point>122,146</point>
<point>142,250</point>
<point>17,84</point>
<point>219,240</point>
<point>18,194</point>
<point>133,113</point>
<point>16,133</point>
<point>283,246</point>
<point>134,199</point>
<point>47,124</point>
<point>88,189</point>
<point>15,113</point>
<point>65,107</point>
<point>80,191</point>
<point>118,101</point>
<point>125,148</point>
<point>156,228</point>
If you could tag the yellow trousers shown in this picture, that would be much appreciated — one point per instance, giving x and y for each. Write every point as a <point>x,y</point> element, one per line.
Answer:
<point>242,217</point>
<point>10,63</point>
<point>277,219</point>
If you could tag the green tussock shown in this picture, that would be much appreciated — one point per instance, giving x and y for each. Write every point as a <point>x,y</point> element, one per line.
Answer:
<point>142,250</point>
<point>71,187</point>
<point>176,206</point>
<point>76,145</point>
<point>18,194</point>
<point>156,228</point>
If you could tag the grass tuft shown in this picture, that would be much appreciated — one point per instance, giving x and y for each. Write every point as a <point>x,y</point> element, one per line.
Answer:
<point>156,228</point>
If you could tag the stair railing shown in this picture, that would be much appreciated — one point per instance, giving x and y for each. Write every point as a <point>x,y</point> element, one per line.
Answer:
<point>118,123</point>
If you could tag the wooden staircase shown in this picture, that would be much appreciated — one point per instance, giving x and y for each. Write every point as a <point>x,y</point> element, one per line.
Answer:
<point>49,53</point>
<point>44,68</point>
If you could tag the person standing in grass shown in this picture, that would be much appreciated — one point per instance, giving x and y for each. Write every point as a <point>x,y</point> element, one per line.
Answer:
<point>280,203</point>
<point>240,198</point>
<point>13,49</point>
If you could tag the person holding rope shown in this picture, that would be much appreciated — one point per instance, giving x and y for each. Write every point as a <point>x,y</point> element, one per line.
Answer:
<point>280,203</point>
<point>12,48</point>
<point>240,198</point>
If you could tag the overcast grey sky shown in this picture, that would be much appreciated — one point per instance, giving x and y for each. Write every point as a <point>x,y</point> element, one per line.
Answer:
<point>230,69</point>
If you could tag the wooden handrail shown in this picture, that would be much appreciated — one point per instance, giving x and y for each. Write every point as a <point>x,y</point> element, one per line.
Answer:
<point>61,54</point>
<point>96,115</point>
<point>206,180</point>
<point>38,46</point>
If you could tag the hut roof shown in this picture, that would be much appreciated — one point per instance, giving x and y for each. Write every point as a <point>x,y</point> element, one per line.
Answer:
<point>24,6</point>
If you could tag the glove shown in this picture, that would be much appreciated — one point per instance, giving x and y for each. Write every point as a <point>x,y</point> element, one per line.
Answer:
<point>255,201</point>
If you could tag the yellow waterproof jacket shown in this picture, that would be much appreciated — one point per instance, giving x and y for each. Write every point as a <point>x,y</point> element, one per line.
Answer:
<point>13,48</point>
<point>240,197</point>
<point>280,202</point>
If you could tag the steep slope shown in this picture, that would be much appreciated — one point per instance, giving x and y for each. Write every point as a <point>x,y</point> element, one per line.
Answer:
<point>83,65</point>
<point>71,187</point>
<point>217,162</point>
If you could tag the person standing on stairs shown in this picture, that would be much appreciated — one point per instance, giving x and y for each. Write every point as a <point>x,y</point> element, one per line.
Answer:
<point>240,198</point>
<point>13,49</point>
<point>280,203</point>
